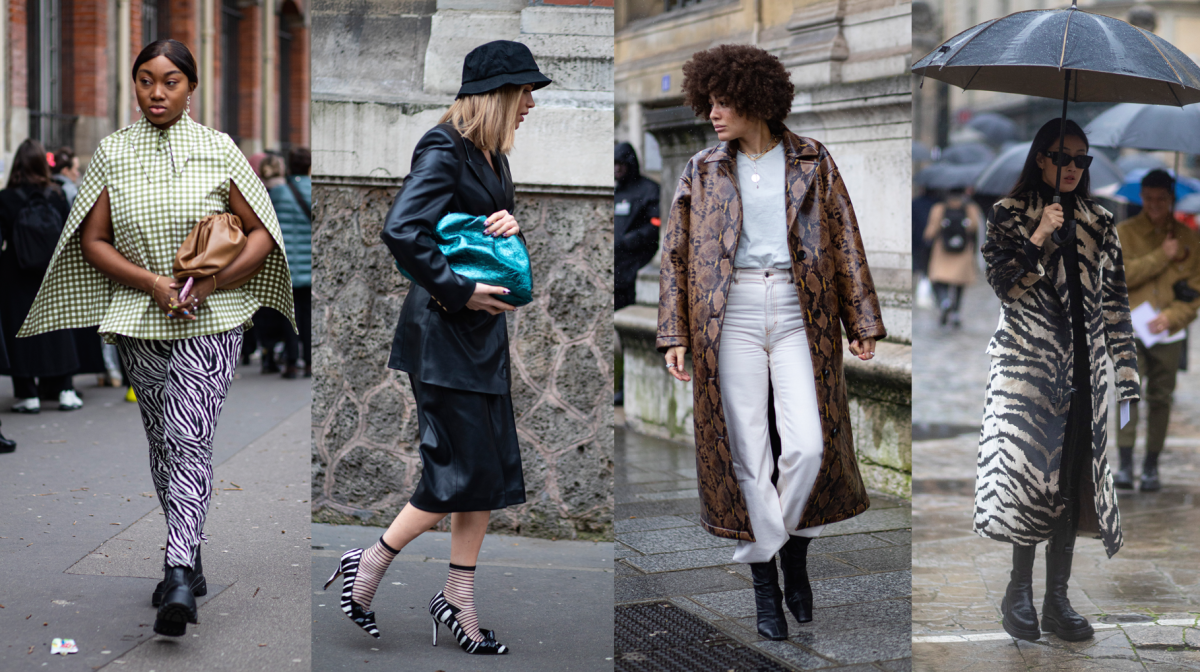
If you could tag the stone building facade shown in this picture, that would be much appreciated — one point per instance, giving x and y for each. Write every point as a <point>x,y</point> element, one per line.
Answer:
<point>66,67</point>
<point>849,62</point>
<point>383,74</point>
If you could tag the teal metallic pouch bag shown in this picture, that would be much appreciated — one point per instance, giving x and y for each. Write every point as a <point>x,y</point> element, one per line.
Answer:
<point>492,260</point>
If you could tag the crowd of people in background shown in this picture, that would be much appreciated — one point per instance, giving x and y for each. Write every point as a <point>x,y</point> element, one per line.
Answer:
<point>34,205</point>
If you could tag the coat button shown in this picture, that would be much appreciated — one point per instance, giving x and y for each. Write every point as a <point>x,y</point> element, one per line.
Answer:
<point>801,255</point>
<point>834,432</point>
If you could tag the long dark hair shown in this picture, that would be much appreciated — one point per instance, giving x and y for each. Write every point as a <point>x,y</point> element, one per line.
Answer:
<point>175,51</point>
<point>1031,175</point>
<point>29,165</point>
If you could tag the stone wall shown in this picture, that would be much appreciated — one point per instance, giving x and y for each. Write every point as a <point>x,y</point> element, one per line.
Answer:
<point>365,461</point>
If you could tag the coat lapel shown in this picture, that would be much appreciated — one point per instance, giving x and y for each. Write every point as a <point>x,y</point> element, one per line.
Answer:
<point>724,157</point>
<point>800,165</point>
<point>486,176</point>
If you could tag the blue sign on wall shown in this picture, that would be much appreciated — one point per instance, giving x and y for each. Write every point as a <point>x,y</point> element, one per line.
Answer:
<point>666,83</point>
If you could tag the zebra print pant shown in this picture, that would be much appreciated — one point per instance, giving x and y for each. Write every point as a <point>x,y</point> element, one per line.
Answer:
<point>181,386</point>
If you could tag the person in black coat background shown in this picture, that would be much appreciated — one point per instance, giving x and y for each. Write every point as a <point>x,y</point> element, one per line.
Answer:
<point>452,340</point>
<point>635,224</point>
<point>40,365</point>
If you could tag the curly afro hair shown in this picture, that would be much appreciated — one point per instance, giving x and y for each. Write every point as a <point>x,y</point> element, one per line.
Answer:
<point>754,83</point>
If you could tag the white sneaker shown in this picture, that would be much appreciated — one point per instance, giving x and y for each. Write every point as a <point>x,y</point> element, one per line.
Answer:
<point>31,405</point>
<point>69,401</point>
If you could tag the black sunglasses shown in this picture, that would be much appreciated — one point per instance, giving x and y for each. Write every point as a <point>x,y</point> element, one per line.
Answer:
<point>1082,161</point>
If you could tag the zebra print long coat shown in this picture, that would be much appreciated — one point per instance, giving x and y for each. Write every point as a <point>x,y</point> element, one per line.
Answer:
<point>1017,496</point>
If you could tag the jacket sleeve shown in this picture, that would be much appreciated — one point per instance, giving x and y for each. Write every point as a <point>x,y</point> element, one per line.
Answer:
<point>1014,262</point>
<point>673,321</point>
<point>1118,329</point>
<point>408,228</point>
<point>858,305</point>
<point>643,235</point>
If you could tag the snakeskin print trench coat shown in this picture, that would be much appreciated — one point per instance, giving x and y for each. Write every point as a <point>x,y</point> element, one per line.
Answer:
<point>832,282</point>
<point>1017,496</point>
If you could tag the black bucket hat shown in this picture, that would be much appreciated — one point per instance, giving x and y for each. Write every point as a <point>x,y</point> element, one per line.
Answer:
<point>492,65</point>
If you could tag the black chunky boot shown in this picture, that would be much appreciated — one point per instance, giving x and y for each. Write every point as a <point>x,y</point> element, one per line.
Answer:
<point>1058,616</point>
<point>768,600</point>
<point>178,604</point>
<point>199,585</point>
<point>797,591</point>
<point>1123,479</point>
<point>1020,618</point>
<point>1150,482</point>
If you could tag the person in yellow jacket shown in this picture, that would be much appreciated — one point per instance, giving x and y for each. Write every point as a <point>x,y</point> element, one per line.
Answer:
<point>1162,267</point>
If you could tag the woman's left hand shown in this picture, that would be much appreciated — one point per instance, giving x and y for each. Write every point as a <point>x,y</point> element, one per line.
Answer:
<point>864,349</point>
<point>202,288</point>
<point>502,224</point>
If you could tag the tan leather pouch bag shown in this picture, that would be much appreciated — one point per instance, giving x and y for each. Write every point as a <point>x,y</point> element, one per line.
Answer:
<point>212,245</point>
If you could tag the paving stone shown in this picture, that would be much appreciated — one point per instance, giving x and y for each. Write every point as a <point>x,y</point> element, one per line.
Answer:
<point>901,537</point>
<point>670,562</point>
<point>843,543</point>
<point>622,551</point>
<point>859,646</point>
<point>669,584</point>
<point>730,604</point>
<point>672,540</point>
<point>625,570</point>
<point>647,509</point>
<point>623,526</point>
<point>872,521</point>
<point>865,588</point>
<point>879,559</point>
<point>794,655</point>
<point>1191,637</point>
<point>905,665</point>
<point>1154,636</point>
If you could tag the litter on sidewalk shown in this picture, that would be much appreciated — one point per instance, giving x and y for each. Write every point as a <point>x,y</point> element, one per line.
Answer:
<point>62,646</point>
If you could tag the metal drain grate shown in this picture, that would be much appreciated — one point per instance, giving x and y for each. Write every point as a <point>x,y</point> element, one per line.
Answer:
<point>653,637</point>
<point>1126,618</point>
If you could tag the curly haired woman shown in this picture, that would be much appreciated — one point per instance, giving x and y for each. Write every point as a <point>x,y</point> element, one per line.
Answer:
<point>762,266</point>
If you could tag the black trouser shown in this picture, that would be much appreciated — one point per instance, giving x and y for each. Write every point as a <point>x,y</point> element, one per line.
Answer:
<point>302,298</point>
<point>41,386</point>
<point>943,291</point>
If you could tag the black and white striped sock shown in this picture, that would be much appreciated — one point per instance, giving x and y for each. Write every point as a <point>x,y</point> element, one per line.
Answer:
<point>460,592</point>
<point>371,567</point>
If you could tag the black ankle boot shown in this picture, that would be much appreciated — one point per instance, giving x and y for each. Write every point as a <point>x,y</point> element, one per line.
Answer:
<point>178,605</point>
<point>1150,482</point>
<point>1123,479</point>
<point>768,600</point>
<point>1020,618</point>
<point>797,591</point>
<point>1057,615</point>
<point>199,585</point>
<point>7,445</point>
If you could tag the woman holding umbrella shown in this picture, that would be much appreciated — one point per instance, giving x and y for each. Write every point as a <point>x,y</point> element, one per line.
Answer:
<point>1042,474</point>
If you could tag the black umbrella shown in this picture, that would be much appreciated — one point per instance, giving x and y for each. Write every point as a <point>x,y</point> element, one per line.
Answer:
<point>1069,54</point>
<point>1132,162</point>
<point>1149,127</point>
<point>967,153</point>
<point>948,176</point>
<point>1001,175</point>
<point>997,128</point>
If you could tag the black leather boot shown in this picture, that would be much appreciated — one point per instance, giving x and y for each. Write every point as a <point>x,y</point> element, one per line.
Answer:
<point>199,585</point>
<point>178,605</point>
<point>1123,479</point>
<point>1150,482</point>
<point>797,591</point>
<point>768,600</point>
<point>1057,615</point>
<point>1020,618</point>
<point>7,445</point>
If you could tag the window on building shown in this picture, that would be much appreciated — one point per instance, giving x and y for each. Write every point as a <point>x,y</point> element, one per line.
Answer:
<point>231,18</point>
<point>156,20</point>
<point>44,84</point>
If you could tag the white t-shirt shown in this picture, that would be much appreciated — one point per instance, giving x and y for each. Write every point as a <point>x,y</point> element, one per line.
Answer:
<point>763,243</point>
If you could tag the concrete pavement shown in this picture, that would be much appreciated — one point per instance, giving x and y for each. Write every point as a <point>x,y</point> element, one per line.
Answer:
<point>1144,602</point>
<point>550,602</point>
<point>81,538</point>
<point>683,605</point>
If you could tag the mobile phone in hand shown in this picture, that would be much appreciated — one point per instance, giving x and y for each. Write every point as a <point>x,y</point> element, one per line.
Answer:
<point>187,287</point>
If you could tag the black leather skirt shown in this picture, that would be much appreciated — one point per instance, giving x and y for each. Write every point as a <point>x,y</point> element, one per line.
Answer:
<point>470,457</point>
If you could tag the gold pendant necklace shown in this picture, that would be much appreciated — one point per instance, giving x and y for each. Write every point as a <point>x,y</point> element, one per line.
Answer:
<point>755,157</point>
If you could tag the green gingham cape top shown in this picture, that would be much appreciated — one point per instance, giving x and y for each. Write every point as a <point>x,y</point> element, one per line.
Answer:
<point>160,183</point>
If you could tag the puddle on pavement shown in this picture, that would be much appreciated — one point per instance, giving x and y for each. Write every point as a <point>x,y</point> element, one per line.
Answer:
<point>1126,618</point>
<point>930,431</point>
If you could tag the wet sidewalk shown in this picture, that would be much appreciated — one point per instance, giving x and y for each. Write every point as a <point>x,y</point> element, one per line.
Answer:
<point>82,534</point>
<point>550,602</point>
<point>1144,602</point>
<point>678,596</point>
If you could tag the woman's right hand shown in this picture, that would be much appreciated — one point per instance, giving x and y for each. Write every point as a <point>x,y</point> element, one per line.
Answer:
<point>675,363</point>
<point>1052,219</point>
<point>484,299</point>
<point>165,292</point>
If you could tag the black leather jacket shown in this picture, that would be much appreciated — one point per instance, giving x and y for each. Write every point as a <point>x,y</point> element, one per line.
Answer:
<point>438,339</point>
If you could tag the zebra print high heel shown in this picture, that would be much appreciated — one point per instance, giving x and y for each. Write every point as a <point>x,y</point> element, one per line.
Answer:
<point>348,568</point>
<point>446,613</point>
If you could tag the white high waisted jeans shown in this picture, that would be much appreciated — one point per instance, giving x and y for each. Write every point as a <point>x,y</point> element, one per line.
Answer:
<point>763,342</point>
